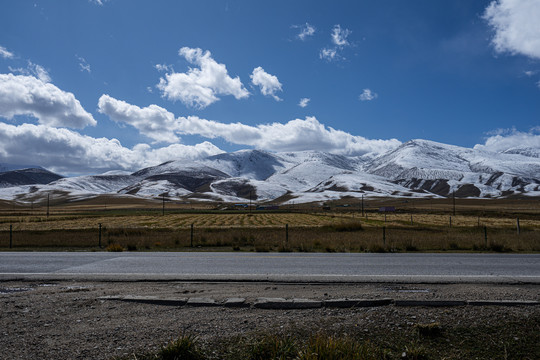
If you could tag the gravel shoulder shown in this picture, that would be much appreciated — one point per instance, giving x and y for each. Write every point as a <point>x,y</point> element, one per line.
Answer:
<point>70,320</point>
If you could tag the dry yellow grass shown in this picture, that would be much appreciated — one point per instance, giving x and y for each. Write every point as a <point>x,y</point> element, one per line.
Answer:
<point>311,230</point>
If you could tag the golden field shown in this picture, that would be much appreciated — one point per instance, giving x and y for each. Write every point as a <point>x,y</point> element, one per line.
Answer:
<point>416,225</point>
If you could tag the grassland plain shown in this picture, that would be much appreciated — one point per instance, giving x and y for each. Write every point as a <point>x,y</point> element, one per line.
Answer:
<point>272,231</point>
<point>416,225</point>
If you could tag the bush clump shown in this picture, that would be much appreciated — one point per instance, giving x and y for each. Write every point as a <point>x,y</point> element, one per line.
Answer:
<point>115,248</point>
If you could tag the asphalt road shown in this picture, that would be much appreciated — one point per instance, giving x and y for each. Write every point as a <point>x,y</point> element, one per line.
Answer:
<point>236,266</point>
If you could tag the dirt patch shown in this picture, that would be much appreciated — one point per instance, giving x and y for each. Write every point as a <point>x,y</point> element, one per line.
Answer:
<point>67,320</point>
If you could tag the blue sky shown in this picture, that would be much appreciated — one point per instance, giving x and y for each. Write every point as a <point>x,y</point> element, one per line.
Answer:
<point>90,86</point>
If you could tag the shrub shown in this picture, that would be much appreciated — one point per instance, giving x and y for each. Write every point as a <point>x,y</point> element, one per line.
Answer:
<point>346,226</point>
<point>262,248</point>
<point>115,248</point>
<point>337,348</point>
<point>375,248</point>
<point>272,347</point>
<point>498,247</point>
<point>411,247</point>
<point>186,347</point>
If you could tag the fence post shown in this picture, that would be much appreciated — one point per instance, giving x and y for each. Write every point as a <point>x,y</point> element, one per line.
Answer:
<point>287,234</point>
<point>100,235</point>
<point>412,221</point>
<point>10,236</point>
<point>450,221</point>
<point>384,235</point>
<point>517,222</point>
<point>485,235</point>
<point>191,237</point>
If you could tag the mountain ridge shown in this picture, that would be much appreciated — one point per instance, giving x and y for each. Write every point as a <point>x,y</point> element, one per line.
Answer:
<point>417,168</point>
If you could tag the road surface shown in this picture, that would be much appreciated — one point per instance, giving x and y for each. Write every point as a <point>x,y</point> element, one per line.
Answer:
<point>237,266</point>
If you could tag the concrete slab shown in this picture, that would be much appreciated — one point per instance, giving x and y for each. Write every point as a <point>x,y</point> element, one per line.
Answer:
<point>430,303</point>
<point>502,303</point>
<point>153,300</point>
<point>235,303</point>
<point>349,303</point>
<point>201,302</point>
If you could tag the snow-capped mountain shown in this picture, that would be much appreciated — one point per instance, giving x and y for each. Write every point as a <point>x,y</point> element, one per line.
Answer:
<point>418,168</point>
<point>447,169</point>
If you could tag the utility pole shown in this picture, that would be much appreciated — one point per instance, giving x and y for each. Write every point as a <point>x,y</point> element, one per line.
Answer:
<point>454,200</point>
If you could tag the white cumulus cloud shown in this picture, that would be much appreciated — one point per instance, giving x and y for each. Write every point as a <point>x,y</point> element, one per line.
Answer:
<point>328,54</point>
<point>28,95</point>
<point>339,35</point>
<point>268,83</point>
<point>66,151</point>
<point>339,39</point>
<point>152,121</point>
<point>295,135</point>
<point>163,67</point>
<point>200,87</point>
<point>83,64</point>
<point>306,30</point>
<point>304,102</point>
<point>5,53</point>
<point>33,70</point>
<point>516,26</point>
<point>503,140</point>
<point>367,95</point>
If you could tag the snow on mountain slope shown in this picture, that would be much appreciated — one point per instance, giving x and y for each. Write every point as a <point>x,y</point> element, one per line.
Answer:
<point>309,168</point>
<point>251,164</point>
<point>525,151</point>
<point>362,183</point>
<point>443,169</point>
<point>176,166</point>
<point>427,158</point>
<point>97,184</point>
<point>242,189</point>
<point>417,168</point>
<point>318,157</point>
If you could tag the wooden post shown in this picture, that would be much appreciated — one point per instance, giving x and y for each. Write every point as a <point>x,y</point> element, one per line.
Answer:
<point>163,207</point>
<point>10,236</point>
<point>485,236</point>
<point>454,201</point>
<point>384,235</point>
<point>191,237</point>
<point>517,223</point>
<point>99,235</point>
<point>48,205</point>
<point>412,221</point>
<point>450,221</point>
<point>287,234</point>
<point>384,217</point>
